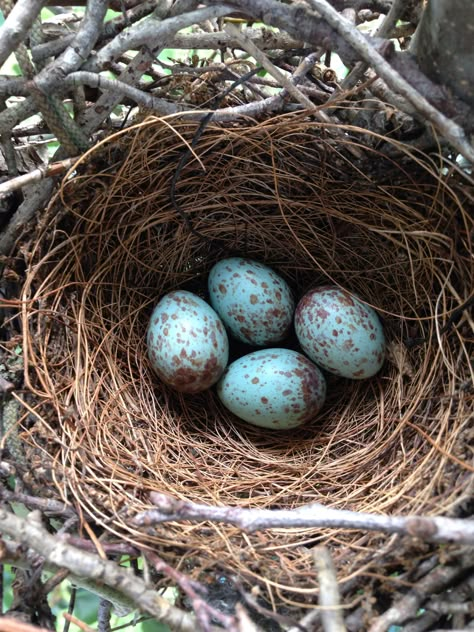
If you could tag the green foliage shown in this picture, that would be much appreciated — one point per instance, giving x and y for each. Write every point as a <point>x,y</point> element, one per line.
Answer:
<point>8,578</point>
<point>85,609</point>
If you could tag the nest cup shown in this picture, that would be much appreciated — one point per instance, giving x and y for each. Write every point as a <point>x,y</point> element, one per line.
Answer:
<point>317,207</point>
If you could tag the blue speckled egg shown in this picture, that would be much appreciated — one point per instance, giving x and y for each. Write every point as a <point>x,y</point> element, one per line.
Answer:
<point>254,302</point>
<point>273,388</point>
<point>187,342</point>
<point>340,333</point>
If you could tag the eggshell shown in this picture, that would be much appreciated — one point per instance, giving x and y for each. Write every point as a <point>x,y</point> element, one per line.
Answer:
<point>340,333</point>
<point>254,302</point>
<point>273,388</point>
<point>187,342</point>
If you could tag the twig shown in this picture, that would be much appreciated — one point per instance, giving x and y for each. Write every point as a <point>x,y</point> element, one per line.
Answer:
<point>265,39</point>
<point>329,600</point>
<point>17,25</point>
<point>45,505</point>
<point>52,76</point>
<point>14,555</point>
<point>282,619</point>
<point>10,624</point>
<point>54,581</point>
<point>383,30</point>
<point>16,114</point>
<point>80,624</point>
<point>31,534</point>
<point>70,608</point>
<point>35,200</point>
<point>155,104</point>
<point>275,72</point>
<point>94,117</point>
<point>434,529</point>
<point>408,605</point>
<point>103,616</point>
<point>450,600</point>
<point>78,50</point>
<point>116,25</point>
<point>153,33</point>
<point>119,548</point>
<point>204,612</point>
<point>165,108</point>
<point>36,175</point>
<point>130,16</point>
<point>341,35</point>
<point>448,128</point>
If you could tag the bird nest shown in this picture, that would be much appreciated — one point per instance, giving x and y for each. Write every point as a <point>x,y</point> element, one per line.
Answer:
<point>151,210</point>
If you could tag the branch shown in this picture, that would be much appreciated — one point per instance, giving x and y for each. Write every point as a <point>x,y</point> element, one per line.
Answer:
<point>52,76</point>
<point>164,108</point>
<point>450,130</point>
<point>45,505</point>
<point>17,25</point>
<point>408,606</point>
<point>36,175</point>
<point>30,533</point>
<point>264,38</point>
<point>312,515</point>
<point>204,611</point>
<point>329,600</point>
<point>275,72</point>
<point>384,30</point>
<point>153,33</point>
<point>302,24</point>
<point>38,198</point>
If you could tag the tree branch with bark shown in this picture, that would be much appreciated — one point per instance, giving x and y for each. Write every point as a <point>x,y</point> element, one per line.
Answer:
<point>56,553</point>
<point>315,515</point>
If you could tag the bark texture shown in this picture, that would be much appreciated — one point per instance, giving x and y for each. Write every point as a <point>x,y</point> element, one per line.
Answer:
<point>443,45</point>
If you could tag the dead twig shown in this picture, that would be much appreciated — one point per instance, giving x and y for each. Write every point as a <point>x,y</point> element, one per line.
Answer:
<point>36,175</point>
<point>329,599</point>
<point>275,72</point>
<point>17,25</point>
<point>384,30</point>
<point>10,624</point>
<point>204,612</point>
<point>435,529</point>
<point>45,505</point>
<point>30,533</point>
<point>448,128</point>
<point>299,21</point>
<point>103,616</point>
<point>407,607</point>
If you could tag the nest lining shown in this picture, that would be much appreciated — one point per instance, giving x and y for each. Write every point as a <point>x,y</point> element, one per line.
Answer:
<point>285,193</point>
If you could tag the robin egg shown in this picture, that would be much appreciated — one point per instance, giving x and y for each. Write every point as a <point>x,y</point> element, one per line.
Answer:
<point>187,342</point>
<point>273,388</point>
<point>340,333</point>
<point>254,302</point>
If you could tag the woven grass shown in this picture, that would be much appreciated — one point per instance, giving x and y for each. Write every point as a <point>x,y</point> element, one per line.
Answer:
<point>290,194</point>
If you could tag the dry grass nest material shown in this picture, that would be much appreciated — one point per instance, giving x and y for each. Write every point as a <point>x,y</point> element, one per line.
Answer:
<point>291,194</point>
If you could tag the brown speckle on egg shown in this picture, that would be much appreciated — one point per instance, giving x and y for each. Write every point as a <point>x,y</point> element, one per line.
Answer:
<point>333,328</point>
<point>250,287</point>
<point>289,389</point>
<point>187,344</point>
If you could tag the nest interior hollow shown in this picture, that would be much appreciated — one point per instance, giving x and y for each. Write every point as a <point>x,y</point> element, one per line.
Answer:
<point>287,193</point>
